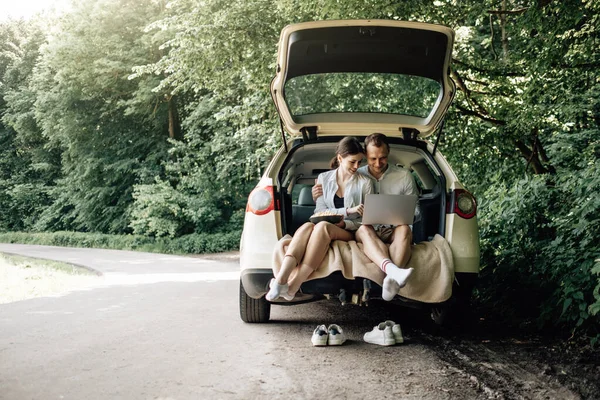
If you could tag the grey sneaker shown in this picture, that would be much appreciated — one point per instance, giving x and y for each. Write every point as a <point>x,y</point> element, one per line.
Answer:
<point>319,336</point>
<point>396,330</point>
<point>381,335</point>
<point>336,335</point>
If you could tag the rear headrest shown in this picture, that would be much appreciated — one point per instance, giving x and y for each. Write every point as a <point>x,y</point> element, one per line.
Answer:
<point>305,197</point>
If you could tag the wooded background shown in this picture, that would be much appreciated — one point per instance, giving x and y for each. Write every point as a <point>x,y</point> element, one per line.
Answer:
<point>154,118</point>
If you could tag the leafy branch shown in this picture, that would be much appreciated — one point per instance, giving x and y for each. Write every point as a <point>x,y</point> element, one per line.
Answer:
<point>478,110</point>
<point>509,12</point>
<point>490,72</point>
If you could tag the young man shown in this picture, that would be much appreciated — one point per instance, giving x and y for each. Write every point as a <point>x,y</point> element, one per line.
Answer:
<point>387,179</point>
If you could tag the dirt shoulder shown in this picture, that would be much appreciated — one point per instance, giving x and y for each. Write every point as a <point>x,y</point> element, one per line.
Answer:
<point>505,363</point>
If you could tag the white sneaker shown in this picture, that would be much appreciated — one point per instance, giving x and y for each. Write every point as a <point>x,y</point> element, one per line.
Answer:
<point>320,336</point>
<point>381,334</point>
<point>396,330</point>
<point>336,335</point>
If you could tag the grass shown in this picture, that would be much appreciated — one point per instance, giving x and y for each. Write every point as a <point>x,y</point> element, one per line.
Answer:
<point>24,278</point>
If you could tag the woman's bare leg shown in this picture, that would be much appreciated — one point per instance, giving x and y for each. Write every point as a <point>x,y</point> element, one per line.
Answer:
<point>278,287</point>
<point>316,249</point>
<point>294,253</point>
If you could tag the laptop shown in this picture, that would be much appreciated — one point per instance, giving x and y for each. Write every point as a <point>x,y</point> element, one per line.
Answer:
<point>389,209</point>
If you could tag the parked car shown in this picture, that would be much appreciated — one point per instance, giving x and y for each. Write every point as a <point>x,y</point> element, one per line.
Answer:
<point>357,77</point>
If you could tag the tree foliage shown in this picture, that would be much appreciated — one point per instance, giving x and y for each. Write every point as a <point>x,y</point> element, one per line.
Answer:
<point>111,131</point>
<point>27,167</point>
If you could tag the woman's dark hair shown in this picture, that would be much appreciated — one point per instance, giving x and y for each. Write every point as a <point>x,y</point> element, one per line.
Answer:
<point>348,146</point>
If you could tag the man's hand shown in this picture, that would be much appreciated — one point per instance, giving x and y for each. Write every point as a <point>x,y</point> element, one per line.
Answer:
<point>317,191</point>
<point>358,209</point>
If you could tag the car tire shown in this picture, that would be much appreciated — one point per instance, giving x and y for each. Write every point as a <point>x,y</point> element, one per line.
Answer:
<point>454,312</point>
<point>253,310</point>
<point>441,314</point>
<point>457,310</point>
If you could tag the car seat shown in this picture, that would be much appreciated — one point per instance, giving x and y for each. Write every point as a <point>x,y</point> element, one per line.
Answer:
<point>302,211</point>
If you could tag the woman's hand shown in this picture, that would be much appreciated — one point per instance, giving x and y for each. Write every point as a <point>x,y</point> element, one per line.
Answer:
<point>317,191</point>
<point>341,224</point>
<point>358,209</point>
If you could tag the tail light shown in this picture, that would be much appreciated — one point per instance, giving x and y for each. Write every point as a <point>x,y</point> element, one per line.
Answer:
<point>261,201</point>
<point>462,203</point>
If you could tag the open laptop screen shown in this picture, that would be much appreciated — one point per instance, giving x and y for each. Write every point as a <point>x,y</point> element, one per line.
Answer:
<point>389,209</point>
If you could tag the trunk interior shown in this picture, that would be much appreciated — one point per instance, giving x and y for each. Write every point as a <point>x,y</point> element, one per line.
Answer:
<point>306,160</point>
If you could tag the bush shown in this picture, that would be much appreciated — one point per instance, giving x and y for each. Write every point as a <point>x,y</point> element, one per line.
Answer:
<point>197,243</point>
<point>514,230</point>
<point>540,258</point>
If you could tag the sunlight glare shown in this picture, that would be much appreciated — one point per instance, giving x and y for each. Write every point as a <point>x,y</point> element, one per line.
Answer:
<point>27,8</point>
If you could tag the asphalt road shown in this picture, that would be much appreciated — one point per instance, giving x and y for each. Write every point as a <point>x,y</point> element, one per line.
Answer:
<point>168,327</point>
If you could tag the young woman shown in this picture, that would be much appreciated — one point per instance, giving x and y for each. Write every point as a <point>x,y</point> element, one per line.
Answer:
<point>344,191</point>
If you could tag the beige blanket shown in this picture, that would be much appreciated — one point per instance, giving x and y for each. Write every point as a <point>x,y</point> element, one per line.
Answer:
<point>431,281</point>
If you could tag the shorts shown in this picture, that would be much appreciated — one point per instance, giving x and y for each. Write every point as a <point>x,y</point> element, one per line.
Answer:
<point>386,232</point>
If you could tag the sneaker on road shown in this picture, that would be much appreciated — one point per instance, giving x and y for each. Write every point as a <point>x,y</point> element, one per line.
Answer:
<point>336,335</point>
<point>320,336</point>
<point>381,334</point>
<point>396,330</point>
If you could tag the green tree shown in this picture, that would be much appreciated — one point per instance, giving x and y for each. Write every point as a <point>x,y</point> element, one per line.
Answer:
<point>27,167</point>
<point>528,105</point>
<point>112,130</point>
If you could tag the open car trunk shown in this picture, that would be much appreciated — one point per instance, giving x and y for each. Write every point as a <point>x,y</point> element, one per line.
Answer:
<point>306,160</point>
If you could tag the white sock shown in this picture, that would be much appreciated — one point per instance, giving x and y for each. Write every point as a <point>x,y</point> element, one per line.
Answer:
<point>390,289</point>
<point>395,279</point>
<point>385,264</point>
<point>400,275</point>
<point>277,290</point>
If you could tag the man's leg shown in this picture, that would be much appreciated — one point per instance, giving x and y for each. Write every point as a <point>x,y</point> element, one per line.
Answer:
<point>400,250</point>
<point>373,247</point>
<point>378,252</point>
<point>316,249</point>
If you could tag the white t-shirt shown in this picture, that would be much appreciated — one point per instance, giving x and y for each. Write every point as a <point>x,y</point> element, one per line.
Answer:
<point>395,180</point>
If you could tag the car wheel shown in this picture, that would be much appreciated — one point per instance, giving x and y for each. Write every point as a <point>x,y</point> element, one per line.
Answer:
<point>441,314</point>
<point>454,312</point>
<point>253,310</point>
<point>457,310</point>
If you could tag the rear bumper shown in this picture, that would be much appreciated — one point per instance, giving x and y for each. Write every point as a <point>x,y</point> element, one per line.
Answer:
<point>256,281</point>
<point>256,284</point>
<point>463,237</point>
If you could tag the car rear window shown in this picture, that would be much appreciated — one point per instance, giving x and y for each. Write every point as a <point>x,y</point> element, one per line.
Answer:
<point>361,93</point>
